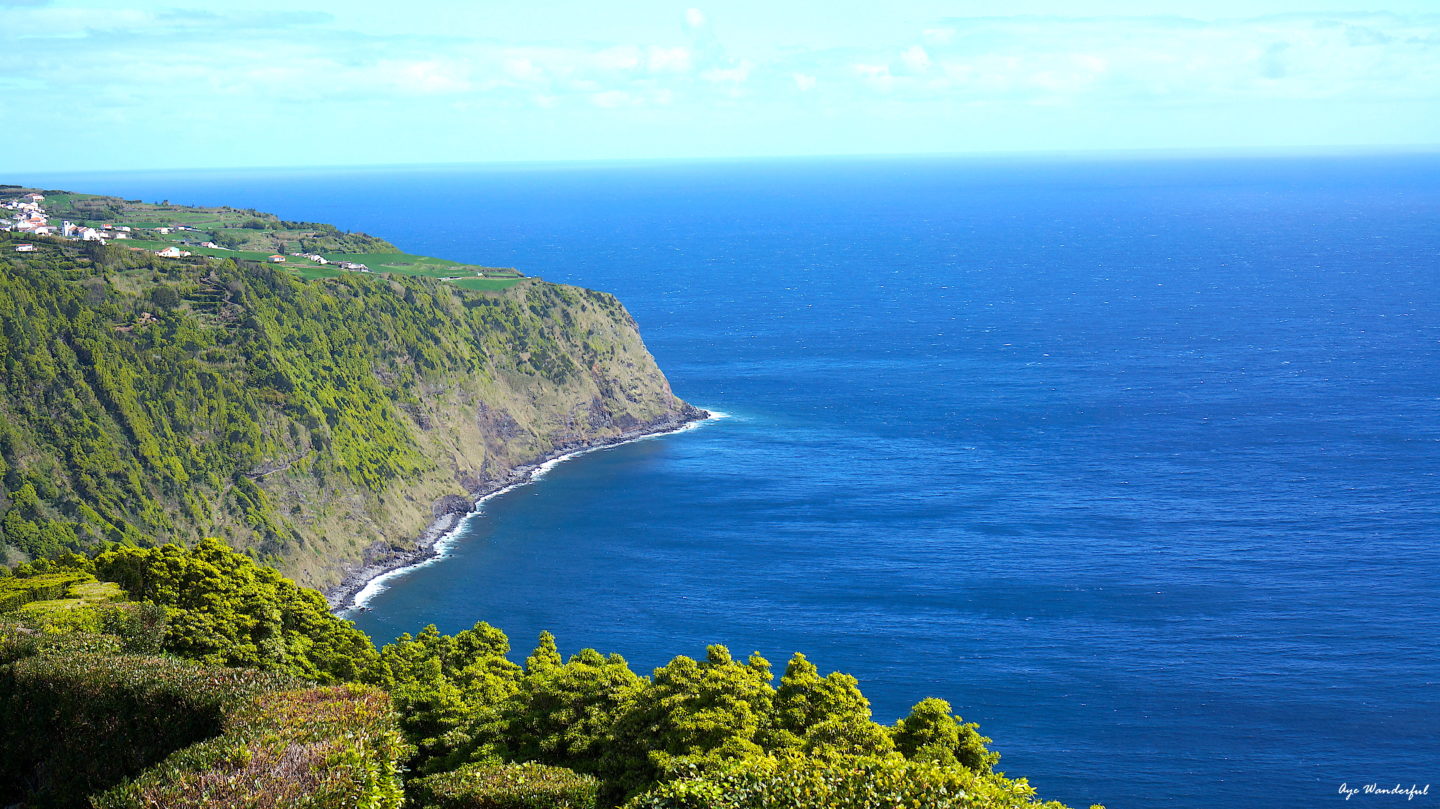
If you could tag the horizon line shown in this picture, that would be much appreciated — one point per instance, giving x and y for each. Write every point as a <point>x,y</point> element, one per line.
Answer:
<point>1153,153</point>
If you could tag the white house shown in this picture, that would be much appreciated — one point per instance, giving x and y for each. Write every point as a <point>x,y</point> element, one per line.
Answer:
<point>165,231</point>
<point>172,252</point>
<point>33,198</point>
<point>90,235</point>
<point>211,245</point>
<point>351,265</point>
<point>277,259</point>
<point>24,248</point>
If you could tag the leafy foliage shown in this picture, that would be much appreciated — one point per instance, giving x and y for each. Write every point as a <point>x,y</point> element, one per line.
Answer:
<point>587,729</point>
<point>222,608</point>
<point>931,733</point>
<point>871,782</point>
<point>506,786</point>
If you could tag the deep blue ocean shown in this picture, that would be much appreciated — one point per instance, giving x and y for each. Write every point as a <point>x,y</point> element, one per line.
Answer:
<point>1133,460</point>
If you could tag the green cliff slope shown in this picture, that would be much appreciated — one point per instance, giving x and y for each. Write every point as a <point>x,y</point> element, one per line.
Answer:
<point>320,425</point>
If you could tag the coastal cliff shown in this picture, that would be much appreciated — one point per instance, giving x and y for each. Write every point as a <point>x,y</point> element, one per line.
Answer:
<point>318,424</point>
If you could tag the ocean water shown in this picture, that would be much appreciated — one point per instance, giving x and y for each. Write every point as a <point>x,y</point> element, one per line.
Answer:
<point>1133,461</point>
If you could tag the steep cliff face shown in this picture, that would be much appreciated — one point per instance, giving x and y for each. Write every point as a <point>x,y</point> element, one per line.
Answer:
<point>582,378</point>
<point>320,425</point>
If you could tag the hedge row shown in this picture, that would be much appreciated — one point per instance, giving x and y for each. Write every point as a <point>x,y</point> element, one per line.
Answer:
<point>75,723</point>
<point>16,592</point>
<point>321,748</point>
<point>505,786</point>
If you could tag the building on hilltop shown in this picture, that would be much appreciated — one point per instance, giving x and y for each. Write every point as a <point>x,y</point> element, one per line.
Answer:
<point>24,248</point>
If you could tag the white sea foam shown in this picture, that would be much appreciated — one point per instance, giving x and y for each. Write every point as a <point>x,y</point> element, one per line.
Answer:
<point>446,541</point>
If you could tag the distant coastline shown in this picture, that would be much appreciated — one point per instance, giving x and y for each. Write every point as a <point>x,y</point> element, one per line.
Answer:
<point>357,588</point>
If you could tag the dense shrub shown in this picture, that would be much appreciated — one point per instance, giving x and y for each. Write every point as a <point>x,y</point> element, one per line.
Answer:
<point>322,748</point>
<point>875,782</point>
<point>16,592</point>
<point>506,786</point>
<point>74,723</point>
<point>223,608</point>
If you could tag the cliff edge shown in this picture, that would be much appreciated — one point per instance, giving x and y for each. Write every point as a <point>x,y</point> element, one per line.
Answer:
<point>318,424</point>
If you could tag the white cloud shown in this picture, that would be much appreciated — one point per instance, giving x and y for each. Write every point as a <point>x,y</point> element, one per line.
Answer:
<point>875,76</point>
<point>610,99</point>
<point>1141,61</point>
<point>622,57</point>
<point>669,60</point>
<point>297,61</point>
<point>737,74</point>
<point>431,76</point>
<point>915,59</point>
<point>938,36</point>
<point>522,69</point>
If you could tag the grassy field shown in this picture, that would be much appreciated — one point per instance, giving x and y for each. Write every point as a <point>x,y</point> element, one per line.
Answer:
<point>407,264</point>
<point>486,284</point>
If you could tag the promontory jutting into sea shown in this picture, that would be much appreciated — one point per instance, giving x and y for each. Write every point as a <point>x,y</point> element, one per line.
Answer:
<point>1105,477</point>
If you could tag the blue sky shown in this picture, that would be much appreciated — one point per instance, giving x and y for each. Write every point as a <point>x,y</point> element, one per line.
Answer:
<point>116,84</point>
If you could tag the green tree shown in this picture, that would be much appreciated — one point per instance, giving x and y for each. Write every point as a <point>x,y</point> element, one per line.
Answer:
<point>564,714</point>
<point>824,713</point>
<point>691,711</point>
<point>545,657</point>
<point>932,733</point>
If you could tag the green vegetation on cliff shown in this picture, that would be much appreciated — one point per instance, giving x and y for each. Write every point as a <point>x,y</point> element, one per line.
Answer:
<point>445,721</point>
<point>314,423</point>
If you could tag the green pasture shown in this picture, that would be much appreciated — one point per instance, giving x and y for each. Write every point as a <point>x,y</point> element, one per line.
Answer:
<point>488,284</point>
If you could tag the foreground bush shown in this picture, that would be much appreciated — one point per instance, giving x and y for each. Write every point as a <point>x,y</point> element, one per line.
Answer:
<point>506,786</point>
<point>71,724</point>
<point>224,609</point>
<point>321,748</point>
<point>845,782</point>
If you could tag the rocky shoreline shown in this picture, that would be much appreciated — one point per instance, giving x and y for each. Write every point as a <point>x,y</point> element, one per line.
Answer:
<point>456,509</point>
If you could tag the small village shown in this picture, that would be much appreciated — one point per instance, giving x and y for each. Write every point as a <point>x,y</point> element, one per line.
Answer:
<point>29,216</point>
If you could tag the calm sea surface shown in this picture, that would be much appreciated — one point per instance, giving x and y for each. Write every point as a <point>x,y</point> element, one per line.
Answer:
<point>1133,461</point>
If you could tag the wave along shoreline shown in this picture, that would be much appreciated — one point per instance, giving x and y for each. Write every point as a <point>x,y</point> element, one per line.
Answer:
<point>444,533</point>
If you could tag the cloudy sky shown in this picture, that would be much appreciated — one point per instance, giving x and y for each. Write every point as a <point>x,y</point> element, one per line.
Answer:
<point>97,84</point>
